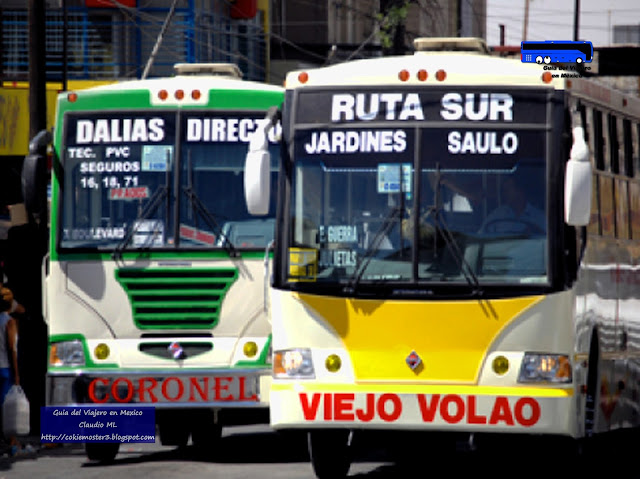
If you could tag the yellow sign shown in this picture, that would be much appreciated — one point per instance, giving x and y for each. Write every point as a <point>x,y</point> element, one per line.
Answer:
<point>303,264</point>
<point>14,113</point>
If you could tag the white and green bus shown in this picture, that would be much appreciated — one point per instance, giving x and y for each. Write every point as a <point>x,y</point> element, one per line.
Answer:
<point>154,284</point>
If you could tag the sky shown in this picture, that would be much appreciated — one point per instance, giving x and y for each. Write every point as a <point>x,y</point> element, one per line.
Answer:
<point>553,19</point>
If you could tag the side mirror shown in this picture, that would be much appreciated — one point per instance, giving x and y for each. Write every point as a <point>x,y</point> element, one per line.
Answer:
<point>35,176</point>
<point>577,186</point>
<point>34,183</point>
<point>257,182</point>
<point>257,166</point>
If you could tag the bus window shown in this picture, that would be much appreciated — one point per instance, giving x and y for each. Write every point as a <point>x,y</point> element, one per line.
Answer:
<point>612,123</point>
<point>598,141</point>
<point>628,151</point>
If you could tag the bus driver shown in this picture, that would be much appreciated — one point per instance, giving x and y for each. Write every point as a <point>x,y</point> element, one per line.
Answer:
<point>516,214</point>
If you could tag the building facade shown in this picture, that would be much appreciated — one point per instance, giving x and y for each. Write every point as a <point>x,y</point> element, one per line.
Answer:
<point>307,33</point>
<point>114,39</point>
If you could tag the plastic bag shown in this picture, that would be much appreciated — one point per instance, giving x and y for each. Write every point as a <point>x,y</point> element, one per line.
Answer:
<point>15,413</point>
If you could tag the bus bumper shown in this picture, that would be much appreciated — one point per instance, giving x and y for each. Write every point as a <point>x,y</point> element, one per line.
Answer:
<point>207,388</point>
<point>422,408</point>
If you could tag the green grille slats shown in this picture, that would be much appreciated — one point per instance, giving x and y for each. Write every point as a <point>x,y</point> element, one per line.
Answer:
<point>173,288</point>
<point>176,298</point>
<point>174,273</point>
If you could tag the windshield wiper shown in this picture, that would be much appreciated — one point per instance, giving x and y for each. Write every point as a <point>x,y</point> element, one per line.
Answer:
<point>158,196</point>
<point>372,249</point>
<point>443,230</point>
<point>201,208</point>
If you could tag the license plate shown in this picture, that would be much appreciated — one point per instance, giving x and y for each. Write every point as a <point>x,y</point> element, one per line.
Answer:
<point>174,389</point>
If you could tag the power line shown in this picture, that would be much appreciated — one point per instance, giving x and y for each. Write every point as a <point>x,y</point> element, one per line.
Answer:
<point>156,46</point>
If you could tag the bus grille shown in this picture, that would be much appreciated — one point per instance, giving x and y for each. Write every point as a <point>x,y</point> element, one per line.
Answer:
<point>176,298</point>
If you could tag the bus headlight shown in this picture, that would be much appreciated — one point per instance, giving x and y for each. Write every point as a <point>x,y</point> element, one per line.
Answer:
<point>250,349</point>
<point>67,353</point>
<point>538,367</point>
<point>293,363</point>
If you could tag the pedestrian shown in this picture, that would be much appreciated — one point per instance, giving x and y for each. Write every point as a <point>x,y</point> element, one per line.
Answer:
<point>9,374</point>
<point>14,306</point>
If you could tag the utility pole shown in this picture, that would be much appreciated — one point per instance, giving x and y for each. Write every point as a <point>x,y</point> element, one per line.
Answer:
<point>525,21</point>
<point>37,68</point>
<point>29,242</point>
<point>576,20</point>
<point>65,42</point>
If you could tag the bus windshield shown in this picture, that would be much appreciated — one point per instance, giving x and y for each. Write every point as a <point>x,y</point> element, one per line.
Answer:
<point>474,213</point>
<point>142,179</point>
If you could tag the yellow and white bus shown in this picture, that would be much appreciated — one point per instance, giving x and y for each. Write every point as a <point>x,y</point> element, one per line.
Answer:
<point>154,283</point>
<point>457,249</point>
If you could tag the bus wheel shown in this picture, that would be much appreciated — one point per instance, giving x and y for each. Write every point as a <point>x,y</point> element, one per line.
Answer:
<point>578,60</point>
<point>101,451</point>
<point>539,59</point>
<point>330,453</point>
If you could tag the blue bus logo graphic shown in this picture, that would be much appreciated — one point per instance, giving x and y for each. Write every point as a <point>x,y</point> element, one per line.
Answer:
<point>556,51</point>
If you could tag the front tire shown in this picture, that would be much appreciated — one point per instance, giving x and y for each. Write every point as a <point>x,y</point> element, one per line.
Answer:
<point>102,452</point>
<point>330,453</point>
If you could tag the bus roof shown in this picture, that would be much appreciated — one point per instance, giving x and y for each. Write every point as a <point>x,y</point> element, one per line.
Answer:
<point>461,68</point>
<point>192,87</point>
<point>203,82</point>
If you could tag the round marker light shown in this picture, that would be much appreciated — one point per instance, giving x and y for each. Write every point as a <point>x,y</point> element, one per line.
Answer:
<point>333,363</point>
<point>500,365</point>
<point>101,351</point>
<point>403,75</point>
<point>250,349</point>
<point>303,77</point>
<point>422,75</point>
<point>547,77</point>
<point>441,75</point>
<point>179,94</point>
<point>72,97</point>
<point>163,95</point>
<point>195,94</point>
